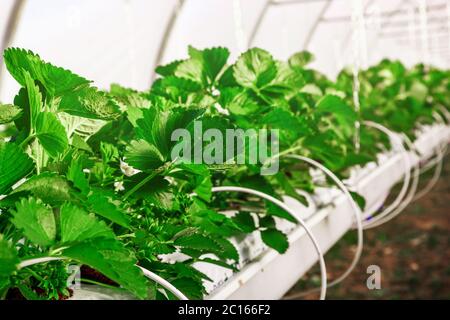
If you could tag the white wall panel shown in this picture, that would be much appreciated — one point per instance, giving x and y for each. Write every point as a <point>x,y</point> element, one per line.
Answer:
<point>210,23</point>
<point>104,40</point>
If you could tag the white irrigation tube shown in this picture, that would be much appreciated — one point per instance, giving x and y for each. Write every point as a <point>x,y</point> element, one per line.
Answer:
<point>407,200</point>
<point>438,162</point>
<point>323,272</point>
<point>163,282</point>
<point>407,176</point>
<point>358,219</point>
<point>159,280</point>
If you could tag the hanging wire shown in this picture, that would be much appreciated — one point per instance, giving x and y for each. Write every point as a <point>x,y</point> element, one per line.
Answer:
<point>239,32</point>
<point>11,26</point>
<point>448,27</point>
<point>131,47</point>
<point>359,45</point>
<point>166,36</point>
<point>424,32</point>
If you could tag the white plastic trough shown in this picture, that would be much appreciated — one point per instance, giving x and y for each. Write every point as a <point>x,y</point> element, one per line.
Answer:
<point>270,275</point>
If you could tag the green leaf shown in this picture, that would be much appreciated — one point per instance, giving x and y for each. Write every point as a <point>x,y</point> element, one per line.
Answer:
<point>49,187</point>
<point>112,259</point>
<point>102,205</point>
<point>245,221</point>
<point>34,98</point>
<point>301,59</point>
<point>214,60</point>
<point>56,81</point>
<point>287,80</point>
<point>168,69</point>
<point>279,118</point>
<point>238,102</point>
<point>255,68</point>
<point>77,225</point>
<point>36,220</point>
<point>9,113</point>
<point>8,258</point>
<point>143,156</point>
<point>227,250</point>
<point>157,127</point>
<point>192,289</point>
<point>90,103</point>
<point>76,175</point>
<point>204,66</point>
<point>14,165</point>
<point>275,239</point>
<point>331,104</point>
<point>196,241</point>
<point>51,134</point>
<point>359,199</point>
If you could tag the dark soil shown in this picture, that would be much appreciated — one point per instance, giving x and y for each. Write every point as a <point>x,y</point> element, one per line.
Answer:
<point>91,274</point>
<point>411,250</point>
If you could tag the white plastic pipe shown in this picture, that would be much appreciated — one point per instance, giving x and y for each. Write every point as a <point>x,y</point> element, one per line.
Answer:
<point>406,178</point>
<point>358,220</point>
<point>323,272</point>
<point>407,200</point>
<point>438,161</point>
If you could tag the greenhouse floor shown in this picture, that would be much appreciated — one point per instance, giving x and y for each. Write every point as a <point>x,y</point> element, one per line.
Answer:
<point>415,263</point>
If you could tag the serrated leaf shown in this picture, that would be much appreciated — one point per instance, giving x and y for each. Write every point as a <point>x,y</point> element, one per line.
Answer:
<point>112,259</point>
<point>34,98</point>
<point>275,239</point>
<point>331,104</point>
<point>157,127</point>
<point>255,68</point>
<point>168,69</point>
<point>227,249</point>
<point>238,101</point>
<point>203,67</point>
<point>49,187</point>
<point>56,81</point>
<point>90,103</point>
<point>51,134</point>
<point>9,113</point>
<point>77,225</point>
<point>143,156</point>
<point>301,59</point>
<point>14,165</point>
<point>76,175</point>
<point>8,258</point>
<point>245,221</point>
<point>196,241</point>
<point>36,220</point>
<point>102,205</point>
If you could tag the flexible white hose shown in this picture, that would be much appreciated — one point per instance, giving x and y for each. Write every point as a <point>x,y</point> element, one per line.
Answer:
<point>323,272</point>
<point>164,283</point>
<point>409,197</point>
<point>358,220</point>
<point>406,178</point>
<point>438,161</point>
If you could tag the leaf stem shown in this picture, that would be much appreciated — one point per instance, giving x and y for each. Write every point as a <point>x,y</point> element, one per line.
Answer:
<point>144,181</point>
<point>98,283</point>
<point>27,139</point>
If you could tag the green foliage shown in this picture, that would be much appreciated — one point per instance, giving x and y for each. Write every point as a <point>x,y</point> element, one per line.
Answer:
<point>36,220</point>
<point>87,175</point>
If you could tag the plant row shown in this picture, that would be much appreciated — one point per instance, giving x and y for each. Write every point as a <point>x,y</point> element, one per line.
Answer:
<point>87,175</point>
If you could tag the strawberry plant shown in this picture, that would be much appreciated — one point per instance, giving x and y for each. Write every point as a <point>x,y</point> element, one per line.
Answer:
<point>88,176</point>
